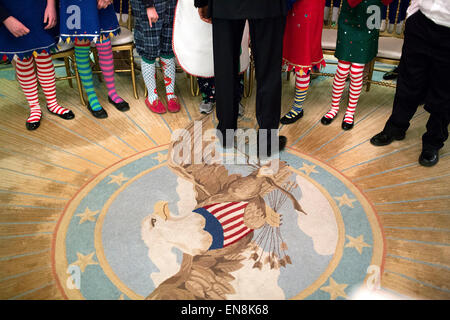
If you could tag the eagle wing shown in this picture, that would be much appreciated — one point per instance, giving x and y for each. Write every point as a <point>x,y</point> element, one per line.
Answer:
<point>186,160</point>
<point>206,276</point>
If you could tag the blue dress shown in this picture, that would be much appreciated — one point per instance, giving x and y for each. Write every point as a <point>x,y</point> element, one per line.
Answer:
<point>80,19</point>
<point>31,14</point>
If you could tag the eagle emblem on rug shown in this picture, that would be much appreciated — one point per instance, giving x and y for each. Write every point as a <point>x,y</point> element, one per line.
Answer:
<point>234,225</point>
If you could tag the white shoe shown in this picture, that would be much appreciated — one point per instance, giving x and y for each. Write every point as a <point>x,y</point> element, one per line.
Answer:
<point>335,15</point>
<point>391,28</point>
<point>399,27</point>
<point>241,110</point>
<point>206,107</point>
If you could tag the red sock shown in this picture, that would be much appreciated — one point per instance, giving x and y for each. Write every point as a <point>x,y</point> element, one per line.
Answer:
<point>28,82</point>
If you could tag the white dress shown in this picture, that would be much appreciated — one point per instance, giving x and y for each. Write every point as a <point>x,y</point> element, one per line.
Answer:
<point>193,45</point>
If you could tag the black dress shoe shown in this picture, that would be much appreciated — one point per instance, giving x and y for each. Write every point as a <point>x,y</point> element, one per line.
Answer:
<point>326,121</point>
<point>282,141</point>
<point>429,157</point>
<point>347,126</point>
<point>33,125</point>
<point>292,119</point>
<point>101,114</point>
<point>383,139</point>
<point>391,75</point>
<point>66,116</point>
<point>121,106</point>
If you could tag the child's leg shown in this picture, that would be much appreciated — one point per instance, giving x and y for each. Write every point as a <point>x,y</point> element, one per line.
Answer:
<point>241,94</point>
<point>169,68</point>
<point>82,52</point>
<point>28,82</point>
<point>149,74</point>
<point>301,89</point>
<point>106,62</point>
<point>46,76</point>
<point>167,57</point>
<point>335,16</point>
<point>356,84</point>
<point>326,10</point>
<point>206,87</point>
<point>338,88</point>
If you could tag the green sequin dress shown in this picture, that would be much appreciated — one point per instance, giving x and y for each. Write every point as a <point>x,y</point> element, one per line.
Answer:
<point>358,31</point>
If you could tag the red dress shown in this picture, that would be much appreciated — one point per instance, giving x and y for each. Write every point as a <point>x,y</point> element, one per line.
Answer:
<point>302,44</point>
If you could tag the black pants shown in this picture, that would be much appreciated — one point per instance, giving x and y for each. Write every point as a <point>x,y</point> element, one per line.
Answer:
<point>424,77</point>
<point>267,46</point>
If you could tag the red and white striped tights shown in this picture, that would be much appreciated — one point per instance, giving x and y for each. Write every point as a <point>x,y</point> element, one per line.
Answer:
<point>356,82</point>
<point>28,80</point>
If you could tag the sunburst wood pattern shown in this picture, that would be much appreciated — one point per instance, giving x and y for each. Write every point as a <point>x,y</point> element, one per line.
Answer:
<point>42,170</point>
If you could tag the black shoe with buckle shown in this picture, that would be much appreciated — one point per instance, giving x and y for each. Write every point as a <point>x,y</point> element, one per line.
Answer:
<point>121,106</point>
<point>291,117</point>
<point>391,75</point>
<point>326,121</point>
<point>66,116</point>
<point>429,157</point>
<point>383,138</point>
<point>101,113</point>
<point>347,126</point>
<point>33,125</point>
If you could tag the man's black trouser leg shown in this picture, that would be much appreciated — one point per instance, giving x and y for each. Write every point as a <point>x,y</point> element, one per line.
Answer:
<point>423,78</point>
<point>227,38</point>
<point>267,44</point>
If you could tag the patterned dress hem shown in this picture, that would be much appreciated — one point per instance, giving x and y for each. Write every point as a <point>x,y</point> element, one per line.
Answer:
<point>51,48</point>
<point>289,66</point>
<point>91,37</point>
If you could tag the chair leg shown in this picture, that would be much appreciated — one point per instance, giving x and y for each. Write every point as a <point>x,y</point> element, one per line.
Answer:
<point>369,75</point>
<point>133,74</point>
<point>195,90</point>
<point>77,76</point>
<point>68,71</point>
<point>97,64</point>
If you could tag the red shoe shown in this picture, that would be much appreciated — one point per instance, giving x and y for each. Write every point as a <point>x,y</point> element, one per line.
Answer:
<point>157,106</point>
<point>173,105</point>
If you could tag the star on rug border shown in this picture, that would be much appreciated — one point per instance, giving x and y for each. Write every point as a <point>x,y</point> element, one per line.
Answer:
<point>335,289</point>
<point>119,179</point>
<point>344,200</point>
<point>87,215</point>
<point>308,169</point>
<point>357,243</point>
<point>84,260</point>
